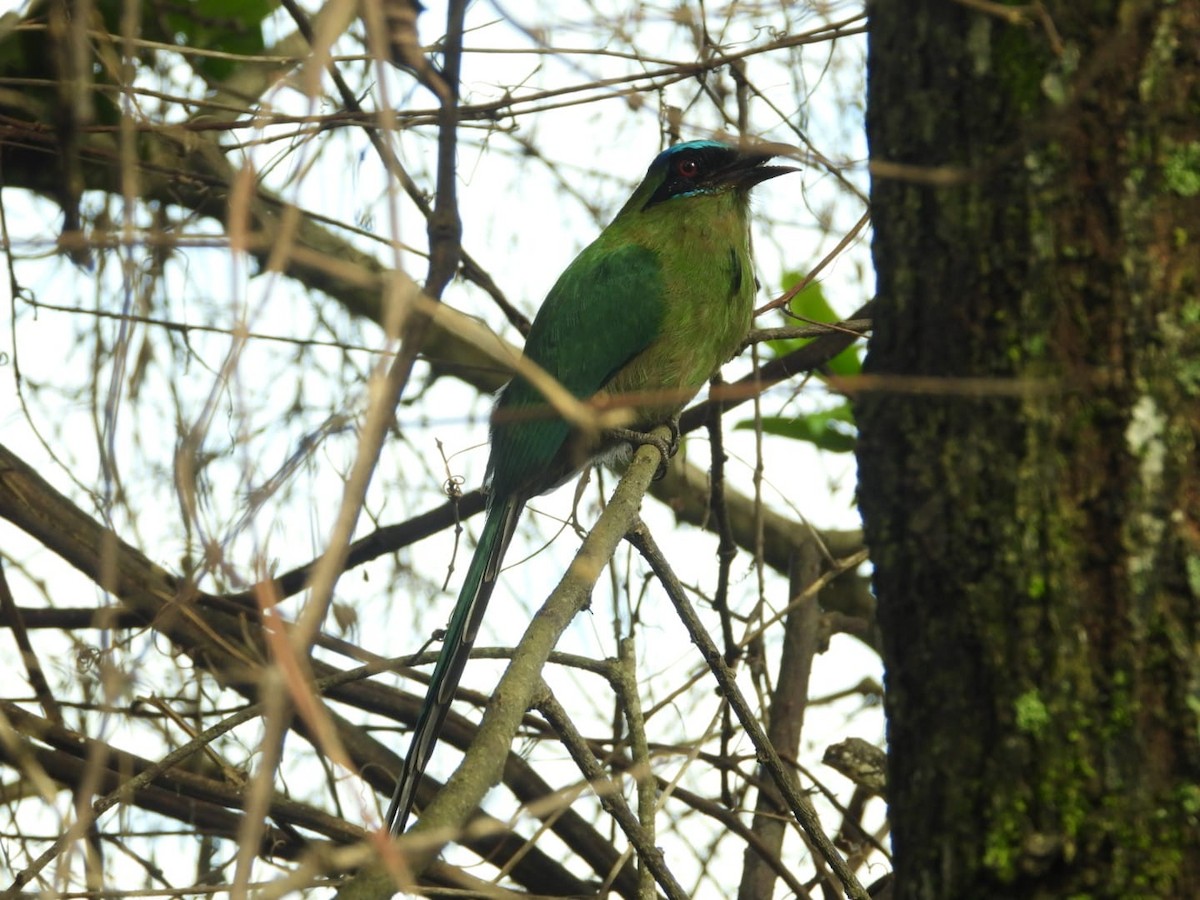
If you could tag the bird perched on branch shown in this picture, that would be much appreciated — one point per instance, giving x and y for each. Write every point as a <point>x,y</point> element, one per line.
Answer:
<point>643,317</point>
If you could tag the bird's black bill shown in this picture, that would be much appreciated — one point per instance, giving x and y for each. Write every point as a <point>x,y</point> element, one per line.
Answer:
<point>750,169</point>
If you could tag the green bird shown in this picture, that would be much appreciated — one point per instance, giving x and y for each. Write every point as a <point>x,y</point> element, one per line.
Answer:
<point>643,317</point>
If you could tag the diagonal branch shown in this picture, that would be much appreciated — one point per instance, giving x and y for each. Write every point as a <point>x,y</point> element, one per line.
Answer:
<point>482,766</point>
<point>789,700</point>
<point>222,640</point>
<point>797,802</point>
<point>610,796</point>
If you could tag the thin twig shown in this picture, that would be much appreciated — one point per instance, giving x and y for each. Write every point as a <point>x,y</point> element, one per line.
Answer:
<point>787,707</point>
<point>626,684</point>
<point>610,797</point>
<point>726,548</point>
<point>33,668</point>
<point>798,802</point>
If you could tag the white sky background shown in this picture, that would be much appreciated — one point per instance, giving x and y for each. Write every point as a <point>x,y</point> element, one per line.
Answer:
<point>523,226</point>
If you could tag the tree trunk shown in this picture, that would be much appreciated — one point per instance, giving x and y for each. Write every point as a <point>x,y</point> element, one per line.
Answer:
<point>1028,456</point>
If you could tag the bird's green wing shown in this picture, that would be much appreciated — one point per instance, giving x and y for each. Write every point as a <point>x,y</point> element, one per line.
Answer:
<point>606,308</point>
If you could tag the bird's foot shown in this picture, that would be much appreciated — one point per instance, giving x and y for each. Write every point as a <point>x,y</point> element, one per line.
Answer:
<point>666,448</point>
<point>673,426</point>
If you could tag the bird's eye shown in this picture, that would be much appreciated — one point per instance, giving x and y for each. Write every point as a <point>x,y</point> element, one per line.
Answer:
<point>688,168</point>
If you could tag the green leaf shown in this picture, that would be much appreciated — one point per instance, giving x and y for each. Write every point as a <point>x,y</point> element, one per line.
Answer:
<point>810,305</point>
<point>832,429</point>
<point>230,26</point>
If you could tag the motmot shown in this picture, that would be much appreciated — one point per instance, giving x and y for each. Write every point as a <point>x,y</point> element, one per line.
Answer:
<point>642,318</point>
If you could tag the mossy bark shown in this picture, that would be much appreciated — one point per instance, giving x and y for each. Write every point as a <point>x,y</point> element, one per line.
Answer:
<point>1030,480</point>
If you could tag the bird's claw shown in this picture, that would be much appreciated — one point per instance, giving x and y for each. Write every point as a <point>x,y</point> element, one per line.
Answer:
<point>666,449</point>
<point>673,426</point>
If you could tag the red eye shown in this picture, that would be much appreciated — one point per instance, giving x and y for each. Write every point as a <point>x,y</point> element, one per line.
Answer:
<point>688,168</point>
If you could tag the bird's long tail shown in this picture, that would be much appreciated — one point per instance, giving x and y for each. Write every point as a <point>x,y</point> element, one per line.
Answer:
<point>460,636</point>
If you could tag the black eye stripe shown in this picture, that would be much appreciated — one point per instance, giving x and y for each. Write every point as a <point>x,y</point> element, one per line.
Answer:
<point>700,164</point>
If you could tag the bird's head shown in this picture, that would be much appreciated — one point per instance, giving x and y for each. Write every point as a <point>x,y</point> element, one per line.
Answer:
<point>704,168</point>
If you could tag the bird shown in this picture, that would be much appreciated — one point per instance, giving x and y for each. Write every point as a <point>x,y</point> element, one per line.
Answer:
<point>648,312</point>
